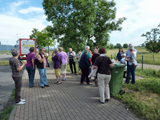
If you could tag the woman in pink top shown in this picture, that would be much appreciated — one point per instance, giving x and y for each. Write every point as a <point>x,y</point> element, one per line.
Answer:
<point>30,67</point>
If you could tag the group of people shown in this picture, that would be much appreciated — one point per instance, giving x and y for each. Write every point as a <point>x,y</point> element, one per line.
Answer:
<point>87,61</point>
<point>129,59</point>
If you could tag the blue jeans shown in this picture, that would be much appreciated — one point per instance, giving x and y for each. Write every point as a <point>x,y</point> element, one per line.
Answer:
<point>31,73</point>
<point>131,70</point>
<point>43,77</point>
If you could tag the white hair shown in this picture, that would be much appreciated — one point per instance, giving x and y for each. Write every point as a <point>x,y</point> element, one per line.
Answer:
<point>87,47</point>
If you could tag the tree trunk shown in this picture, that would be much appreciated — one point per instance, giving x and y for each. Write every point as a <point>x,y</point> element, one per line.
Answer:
<point>48,50</point>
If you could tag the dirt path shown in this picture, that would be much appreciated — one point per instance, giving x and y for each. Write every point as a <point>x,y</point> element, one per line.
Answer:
<point>148,66</point>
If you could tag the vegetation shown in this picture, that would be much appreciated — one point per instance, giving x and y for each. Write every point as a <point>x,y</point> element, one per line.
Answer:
<point>4,115</point>
<point>118,45</point>
<point>43,38</point>
<point>125,45</point>
<point>5,52</point>
<point>152,43</point>
<point>143,97</point>
<point>4,62</point>
<point>148,58</point>
<point>80,22</point>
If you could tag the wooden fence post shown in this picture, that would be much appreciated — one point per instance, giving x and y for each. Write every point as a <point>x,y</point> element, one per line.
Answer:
<point>142,62</point>
<point>153,59</point>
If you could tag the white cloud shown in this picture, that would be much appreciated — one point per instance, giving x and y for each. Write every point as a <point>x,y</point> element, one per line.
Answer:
<point>19,3</point>
<point>12,8</point>
<point>11,26</point>
<point>142,16</point>
<point>30,10</point>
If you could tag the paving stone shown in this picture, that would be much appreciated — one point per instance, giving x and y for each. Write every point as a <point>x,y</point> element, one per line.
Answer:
<point>68,101</point>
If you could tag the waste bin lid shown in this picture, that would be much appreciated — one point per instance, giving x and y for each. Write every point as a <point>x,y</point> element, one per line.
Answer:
<point>118,65</point>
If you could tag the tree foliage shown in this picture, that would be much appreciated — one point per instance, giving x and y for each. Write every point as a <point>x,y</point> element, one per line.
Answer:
<point>118,45</point>
<point>77,23</point>
<point>42,38</point>
<point>152,43</point>
<point>125,45</point>
<point>110,46</point>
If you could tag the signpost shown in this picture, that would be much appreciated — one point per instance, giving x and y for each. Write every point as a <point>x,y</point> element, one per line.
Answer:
<point>24,46</point>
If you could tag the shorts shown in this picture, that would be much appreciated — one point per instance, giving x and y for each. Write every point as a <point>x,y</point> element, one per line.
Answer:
<point>63,68</point>
<point>57,72</point>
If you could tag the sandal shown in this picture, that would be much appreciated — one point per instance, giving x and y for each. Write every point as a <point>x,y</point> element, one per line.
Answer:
<point>59,83</point>
<point>56,82</point>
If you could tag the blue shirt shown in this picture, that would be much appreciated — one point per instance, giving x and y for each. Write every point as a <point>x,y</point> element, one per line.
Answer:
<point>119,56</point>
<point>133,59</point>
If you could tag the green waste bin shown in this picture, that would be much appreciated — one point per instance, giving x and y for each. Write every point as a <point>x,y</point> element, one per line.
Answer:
<point>116,81</point>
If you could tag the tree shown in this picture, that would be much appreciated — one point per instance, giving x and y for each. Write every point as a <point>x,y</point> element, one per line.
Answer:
<point>118,45</point>
<point>125,45</point>
<point>152,43</point>
<point>42,38</point>
<point>77,23</point>
<point>110,46</point>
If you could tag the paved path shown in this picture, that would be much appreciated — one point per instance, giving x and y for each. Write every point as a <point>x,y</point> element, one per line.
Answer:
<point>68,101</point>
<point>148,66</point>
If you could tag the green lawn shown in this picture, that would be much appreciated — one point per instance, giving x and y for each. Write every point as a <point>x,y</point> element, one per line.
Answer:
<point>143,97</point>
<point>5,52</point>
<point>4,62</point>
<point>147,57</point>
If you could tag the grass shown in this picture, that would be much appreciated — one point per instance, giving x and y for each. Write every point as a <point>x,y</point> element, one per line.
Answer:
<point>5,52</point>
<point>4,62</point>
<point>148,73</point>
<point>143,97</point>
<point>12,95</point>
<point>147,56</point>
<point>4,115</point>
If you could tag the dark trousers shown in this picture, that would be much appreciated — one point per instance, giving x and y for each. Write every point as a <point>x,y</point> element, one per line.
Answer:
<point>18,84</point>
<point>71,62</point>
<point>85,73</point>
<point>131,70</point>
<point>31,73</point>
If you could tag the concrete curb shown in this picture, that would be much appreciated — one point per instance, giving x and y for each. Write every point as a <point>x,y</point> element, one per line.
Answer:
<point>12,114</point>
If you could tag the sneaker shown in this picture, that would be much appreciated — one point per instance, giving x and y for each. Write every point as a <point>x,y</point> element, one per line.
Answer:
<point>63,79</point>
<point>95,85</point>
<point>20,103</point>
<point>23,100</point>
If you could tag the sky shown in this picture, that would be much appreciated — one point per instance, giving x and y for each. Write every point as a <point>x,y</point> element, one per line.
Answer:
<point>19,17</point>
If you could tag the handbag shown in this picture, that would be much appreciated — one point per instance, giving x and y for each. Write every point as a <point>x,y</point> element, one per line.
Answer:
<point>47,63</point>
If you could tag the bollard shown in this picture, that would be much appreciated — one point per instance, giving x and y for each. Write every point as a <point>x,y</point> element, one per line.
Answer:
<point>142,62</point>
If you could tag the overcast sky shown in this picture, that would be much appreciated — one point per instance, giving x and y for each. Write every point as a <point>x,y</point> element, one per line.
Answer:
<point>18,18</point>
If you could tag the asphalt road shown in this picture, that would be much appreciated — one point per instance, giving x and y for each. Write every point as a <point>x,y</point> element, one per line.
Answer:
<point>6,82</point>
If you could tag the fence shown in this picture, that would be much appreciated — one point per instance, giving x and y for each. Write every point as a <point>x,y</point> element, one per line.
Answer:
<point>6,47</point>
<point>149,58</point>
